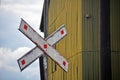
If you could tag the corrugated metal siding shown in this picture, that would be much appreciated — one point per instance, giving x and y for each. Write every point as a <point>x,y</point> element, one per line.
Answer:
<point>81,47</point>
<point>67,12</point>
<point>90,40</point>
<point>115,38</point>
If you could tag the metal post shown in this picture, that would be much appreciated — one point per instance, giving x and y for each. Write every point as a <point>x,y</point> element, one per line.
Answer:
<point>43,59</point>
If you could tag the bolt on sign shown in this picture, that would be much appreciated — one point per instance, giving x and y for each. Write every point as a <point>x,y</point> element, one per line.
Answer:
<point>43,46</point>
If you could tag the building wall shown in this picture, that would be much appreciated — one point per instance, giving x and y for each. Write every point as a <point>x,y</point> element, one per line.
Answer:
<point>81,46</point>
<point>90,39</point>
<point>115,38</point>
<point>67,12</point>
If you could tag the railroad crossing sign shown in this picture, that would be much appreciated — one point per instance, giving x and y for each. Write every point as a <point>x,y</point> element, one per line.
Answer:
<point>42,46</point>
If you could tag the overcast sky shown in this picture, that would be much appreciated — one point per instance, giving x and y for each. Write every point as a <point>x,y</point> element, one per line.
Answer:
<point>13,44</point>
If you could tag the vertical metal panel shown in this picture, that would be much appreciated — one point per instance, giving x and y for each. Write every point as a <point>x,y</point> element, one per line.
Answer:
<point>90,25</point>
<point>115,38</point>
<point>115,65</point>
<point>115,24</point>
<point>90,65</point>
<point>90,39</point>
<point>67,12</point>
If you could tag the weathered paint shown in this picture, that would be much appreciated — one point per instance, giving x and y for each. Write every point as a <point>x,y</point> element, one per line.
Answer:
<point>35,53</point>
<point>29,32</point>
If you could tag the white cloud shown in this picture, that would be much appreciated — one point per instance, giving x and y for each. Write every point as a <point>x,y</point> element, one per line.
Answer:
<point>21,1</point>
<point>8,61</point>
<point>30,11</point>
<point>10,12</point>
<point>8,58</point>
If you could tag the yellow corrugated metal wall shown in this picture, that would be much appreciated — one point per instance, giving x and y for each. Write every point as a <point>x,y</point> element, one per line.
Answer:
<point>115,38</point>
<point>68,12</point>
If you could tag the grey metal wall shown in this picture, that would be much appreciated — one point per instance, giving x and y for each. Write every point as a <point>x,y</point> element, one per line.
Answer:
<point>90,39</point>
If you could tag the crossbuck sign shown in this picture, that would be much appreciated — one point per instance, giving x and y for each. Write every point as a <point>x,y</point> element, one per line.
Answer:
<point>43,46</point>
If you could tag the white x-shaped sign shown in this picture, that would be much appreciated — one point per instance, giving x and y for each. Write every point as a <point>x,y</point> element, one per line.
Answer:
<point>42,46</point>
